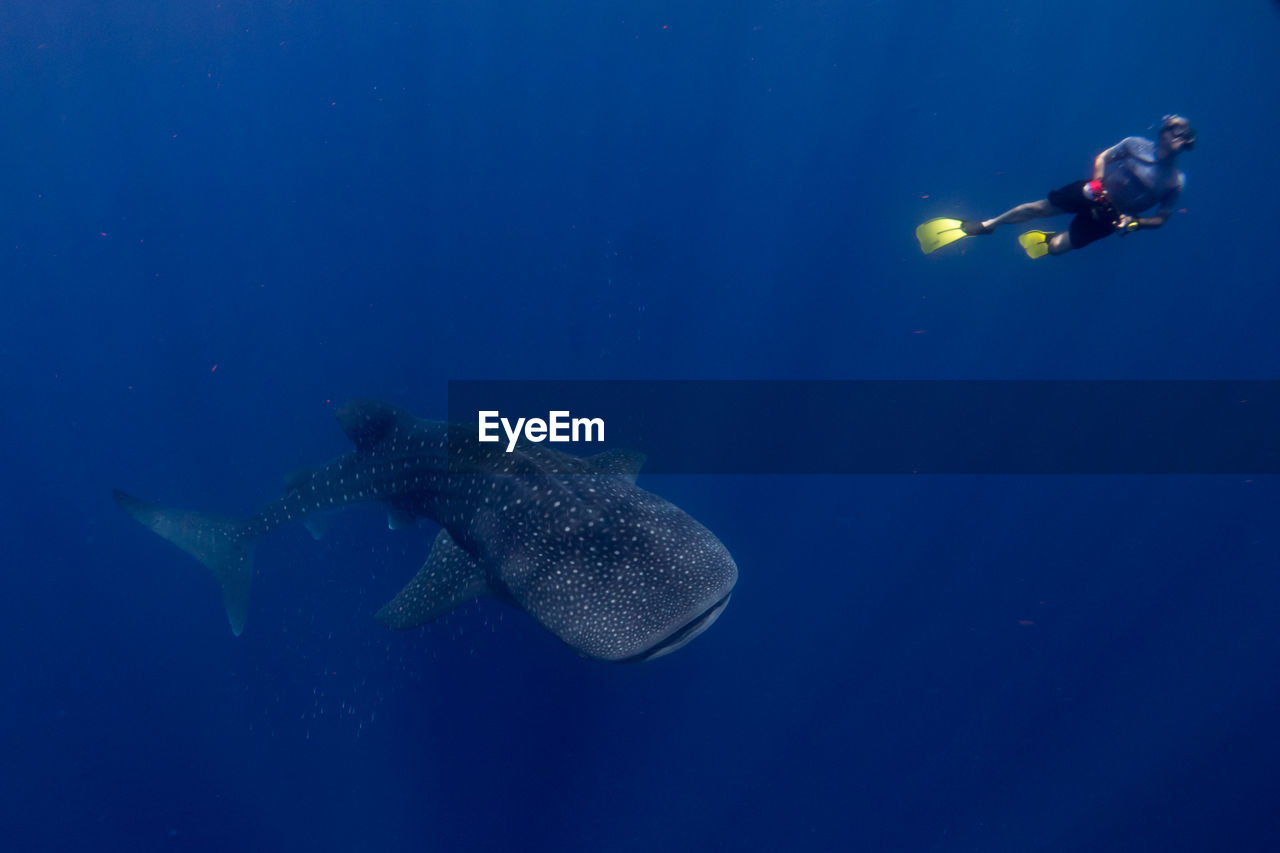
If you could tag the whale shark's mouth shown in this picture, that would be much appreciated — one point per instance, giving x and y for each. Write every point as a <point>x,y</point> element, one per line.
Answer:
<point>676,639</point>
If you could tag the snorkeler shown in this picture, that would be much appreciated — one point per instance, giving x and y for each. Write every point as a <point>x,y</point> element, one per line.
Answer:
<point>1130,177</point>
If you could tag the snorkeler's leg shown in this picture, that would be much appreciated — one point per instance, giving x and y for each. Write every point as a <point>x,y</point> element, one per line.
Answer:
<point>1060,243</point>
<point>1024,212</point>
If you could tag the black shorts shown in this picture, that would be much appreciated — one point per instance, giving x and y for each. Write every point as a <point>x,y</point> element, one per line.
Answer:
<point>1093,221</point>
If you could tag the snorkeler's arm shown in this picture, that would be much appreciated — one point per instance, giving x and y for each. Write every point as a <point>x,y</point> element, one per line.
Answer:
<point>1114,152</point>
<point>1100,164</point>
<point>1161,217</point>
<point>1166,206</point>
<point>1162,214</point>
<point>1129,223</point>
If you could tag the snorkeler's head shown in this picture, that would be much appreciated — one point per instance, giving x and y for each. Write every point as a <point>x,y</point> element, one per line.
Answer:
<point>1178,128</point>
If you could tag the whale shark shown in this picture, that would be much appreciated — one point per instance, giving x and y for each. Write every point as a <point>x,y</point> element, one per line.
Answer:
<point>616,572</point>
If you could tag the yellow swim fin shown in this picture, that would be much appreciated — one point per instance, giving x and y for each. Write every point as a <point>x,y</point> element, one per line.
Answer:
<point>936,233</point>
<point>1036,243</point>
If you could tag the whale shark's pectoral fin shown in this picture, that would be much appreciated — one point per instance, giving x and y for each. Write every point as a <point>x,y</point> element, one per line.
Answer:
<point>450,577</point>
<point>621,463</point>
<point>222,544</point>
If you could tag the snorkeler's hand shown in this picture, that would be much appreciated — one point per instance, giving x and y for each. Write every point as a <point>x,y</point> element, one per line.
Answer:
<point>1127,223</point>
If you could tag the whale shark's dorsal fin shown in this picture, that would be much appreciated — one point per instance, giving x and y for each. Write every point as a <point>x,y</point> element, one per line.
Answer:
<point>449,578</point>
<point>368,422</point>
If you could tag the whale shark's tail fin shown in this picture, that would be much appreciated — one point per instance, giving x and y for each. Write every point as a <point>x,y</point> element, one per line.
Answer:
<point>221,544</point>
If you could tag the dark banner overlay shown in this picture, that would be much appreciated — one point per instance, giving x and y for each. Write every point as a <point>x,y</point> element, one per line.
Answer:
<point>882,427</point>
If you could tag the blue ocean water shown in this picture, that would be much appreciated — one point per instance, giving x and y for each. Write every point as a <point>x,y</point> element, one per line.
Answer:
<point>222,219</point>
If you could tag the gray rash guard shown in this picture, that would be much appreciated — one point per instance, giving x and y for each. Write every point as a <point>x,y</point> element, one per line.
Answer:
<point>1135,180</point>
